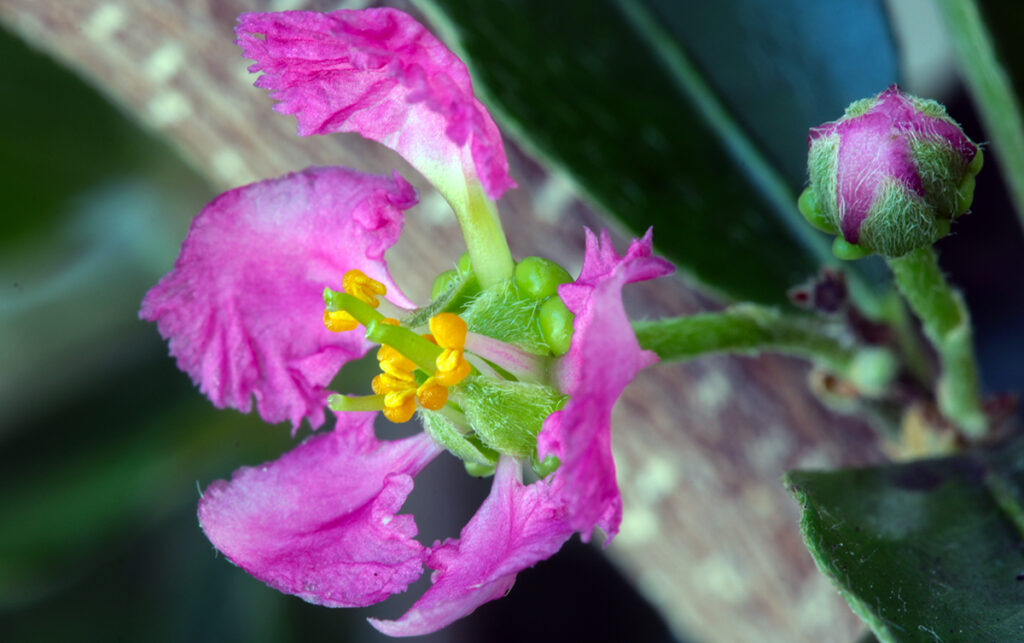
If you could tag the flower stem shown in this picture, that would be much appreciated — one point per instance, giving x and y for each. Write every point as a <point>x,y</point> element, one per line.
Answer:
<point>750,329</point>
<point>485,240</point>
<point>947,324</point>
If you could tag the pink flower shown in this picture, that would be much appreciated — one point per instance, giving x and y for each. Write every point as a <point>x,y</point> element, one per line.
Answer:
<point>243,310</point>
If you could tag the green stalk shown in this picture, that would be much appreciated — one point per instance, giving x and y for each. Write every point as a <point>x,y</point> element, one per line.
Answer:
<point>339,402</point>
<point>751,329</point>
<point>947,324</point>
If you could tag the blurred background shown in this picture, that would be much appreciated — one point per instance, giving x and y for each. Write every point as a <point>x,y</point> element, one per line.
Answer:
<point>105,445</point>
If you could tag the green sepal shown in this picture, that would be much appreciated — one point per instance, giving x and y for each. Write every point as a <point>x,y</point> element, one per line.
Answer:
<point>508,416</point>
<point>458,443</point>
<point>479,470</point>
<point>847,251</point>
<point>809,209</point>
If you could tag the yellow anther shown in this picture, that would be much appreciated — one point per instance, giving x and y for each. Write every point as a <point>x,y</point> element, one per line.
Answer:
<point>394,363</point>
<point>339,321</point>
<point>362,287</point>
<point>399,406</point>
<point>452,376</point>
<point>449,330</point>
<point>432,395</point>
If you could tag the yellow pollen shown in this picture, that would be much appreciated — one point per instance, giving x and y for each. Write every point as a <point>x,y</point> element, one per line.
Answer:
<point>366,290</point>
<point>339,321</point>
<point>399,406</point>
<point>362,287</point>
<point>432,395</point>
<point>449,331</point>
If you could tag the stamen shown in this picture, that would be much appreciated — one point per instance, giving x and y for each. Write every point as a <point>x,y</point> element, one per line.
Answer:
<point>449,331</point>
<point>339,321</point>
<point>432,395</point>
<point>355,305</point>
<point>362,287</point>
<point>400,406</point>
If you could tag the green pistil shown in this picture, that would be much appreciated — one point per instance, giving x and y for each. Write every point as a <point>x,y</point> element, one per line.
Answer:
<point>339,402</point>
<point>364,314</point>
<point>421,351</point>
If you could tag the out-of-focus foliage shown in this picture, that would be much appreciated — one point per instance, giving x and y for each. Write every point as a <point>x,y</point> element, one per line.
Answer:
<point>690,117</point>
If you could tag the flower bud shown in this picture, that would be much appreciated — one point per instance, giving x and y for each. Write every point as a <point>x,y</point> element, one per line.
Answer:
<point>890,175</point>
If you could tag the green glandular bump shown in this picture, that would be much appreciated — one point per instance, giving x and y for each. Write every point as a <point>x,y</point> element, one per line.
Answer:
<point>556,325</point>
<point>507,416</point>
<point>539,278</point>
<point>443,282</point>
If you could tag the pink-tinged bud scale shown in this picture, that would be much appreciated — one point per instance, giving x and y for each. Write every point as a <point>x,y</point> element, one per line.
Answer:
<point>890,175</point>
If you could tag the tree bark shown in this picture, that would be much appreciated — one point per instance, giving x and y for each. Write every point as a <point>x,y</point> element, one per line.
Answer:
<point>709,535</point>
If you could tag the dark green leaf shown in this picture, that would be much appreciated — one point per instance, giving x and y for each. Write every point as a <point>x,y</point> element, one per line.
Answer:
<point>926,551</point>
<point>607,92</point>
<point>986,34</point>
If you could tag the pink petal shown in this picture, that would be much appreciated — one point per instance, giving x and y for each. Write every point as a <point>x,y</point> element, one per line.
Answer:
<point>515,527</point>
<point>380,73</point>
<point>320,521</point>
<point>243,306</point>
<point>603,359</point>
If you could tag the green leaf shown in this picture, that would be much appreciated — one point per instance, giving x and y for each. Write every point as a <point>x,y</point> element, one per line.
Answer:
<point>926,551</point>
<point>608,92</point>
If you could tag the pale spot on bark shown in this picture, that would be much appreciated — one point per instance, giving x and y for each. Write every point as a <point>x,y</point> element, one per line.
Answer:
<point>168,108</point>
<point>555,195</point>
<point>231,167</point>
<point>657,479</point>
<point>286,5</point>
<point>639,525</point>
<point>814,459</point>
<point>719,576</point>
<point>712,391</point>
<point>164,63</point>
<point>104,22</point>
<point>434,209</point>
<point>770,451</point>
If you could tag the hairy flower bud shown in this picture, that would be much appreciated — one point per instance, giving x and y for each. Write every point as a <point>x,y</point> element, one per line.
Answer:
<point>890,175</point>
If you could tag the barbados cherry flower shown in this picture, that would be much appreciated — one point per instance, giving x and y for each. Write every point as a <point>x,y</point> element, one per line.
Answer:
<point>512,367</point>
